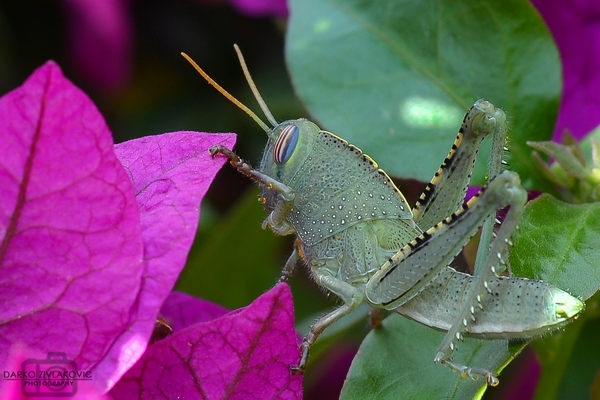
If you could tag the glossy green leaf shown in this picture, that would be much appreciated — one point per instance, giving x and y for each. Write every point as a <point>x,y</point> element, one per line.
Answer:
<point>396,78</point>
<point>396,362</point>
<point>558,243</point>
<point>583,366</point>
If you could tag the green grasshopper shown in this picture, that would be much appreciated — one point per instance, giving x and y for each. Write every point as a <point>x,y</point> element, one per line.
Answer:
<point>362,242</point>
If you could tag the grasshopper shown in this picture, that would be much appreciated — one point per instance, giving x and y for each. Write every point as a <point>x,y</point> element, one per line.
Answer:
<point>362,242</point>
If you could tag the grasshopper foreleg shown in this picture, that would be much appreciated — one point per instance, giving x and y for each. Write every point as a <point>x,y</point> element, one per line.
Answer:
<point>286,193</point>
<point>276,220</point>
<point>290,265</point>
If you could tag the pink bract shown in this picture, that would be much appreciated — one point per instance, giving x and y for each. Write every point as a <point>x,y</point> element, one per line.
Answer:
<point>245,354</point>
<point>93,237</point>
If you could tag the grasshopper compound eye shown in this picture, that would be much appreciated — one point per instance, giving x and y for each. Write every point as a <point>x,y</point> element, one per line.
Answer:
<point>285,144</point>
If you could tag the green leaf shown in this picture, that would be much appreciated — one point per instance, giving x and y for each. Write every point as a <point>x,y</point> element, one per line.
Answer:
<point>582,368</point>
<point>558,243</point>
<point>396,362</point>
<point>395,78</point>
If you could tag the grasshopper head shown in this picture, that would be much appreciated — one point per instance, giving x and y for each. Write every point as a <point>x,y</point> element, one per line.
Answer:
<point>289,140</point>
<point>290,143</point>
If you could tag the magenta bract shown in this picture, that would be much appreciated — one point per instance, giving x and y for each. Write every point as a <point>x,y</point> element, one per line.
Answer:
<point>93,237</point>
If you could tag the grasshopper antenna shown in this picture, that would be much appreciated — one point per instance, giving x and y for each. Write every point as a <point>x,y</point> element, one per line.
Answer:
<point>255,92</point>
<point>230,97</point>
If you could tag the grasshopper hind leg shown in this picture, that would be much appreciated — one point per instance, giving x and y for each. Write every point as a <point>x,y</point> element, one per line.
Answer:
<point>489,258</point>
<point>472,372</point>
<point>445,194</point>
<point>480,289</point>
<point>482,119</point>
